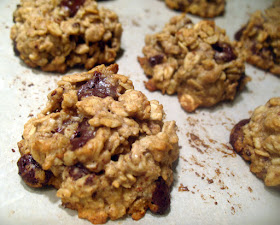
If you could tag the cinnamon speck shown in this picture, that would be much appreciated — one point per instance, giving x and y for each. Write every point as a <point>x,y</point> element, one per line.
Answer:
<point>13,150</point>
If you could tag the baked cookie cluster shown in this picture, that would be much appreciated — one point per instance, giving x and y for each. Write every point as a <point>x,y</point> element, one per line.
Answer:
<point>202,8</point>
<point>103,145</point>
<point>257,140</point>
<point>56,34</point>
<point>195,61</point>
<point>260,39</point>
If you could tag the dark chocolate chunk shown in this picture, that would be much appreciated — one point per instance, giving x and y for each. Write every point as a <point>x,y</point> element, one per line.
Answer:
<point>236,135</point>
<point>98,86</point>
<point>84,133</point>
<point>115,158</point>
<point>77,171</point>
<point>72,5</point>
<point>31,172</point>
<point>267,53</point>
<point>161,196</point>
<point>16,51</point>
<point>90,179</point>
<point>223,52</point>
<point>154,60</point>
<point>238,34</point>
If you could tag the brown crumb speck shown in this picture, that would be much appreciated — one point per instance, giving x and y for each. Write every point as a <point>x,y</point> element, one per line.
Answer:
<point>202,196</point>
<point>232,210</point>
<point>218,172</point>
<point>183,188</point>
<point>13,150</point>
<point>210,181</point>
<point>250,189</point>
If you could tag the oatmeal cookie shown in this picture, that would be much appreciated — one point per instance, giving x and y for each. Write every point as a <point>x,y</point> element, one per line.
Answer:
<point>56,34</point>
<point>198,62</point>
<point>202,8</point>
<point>103,145</point>
<point>258,140</point>
<point>260,39</point>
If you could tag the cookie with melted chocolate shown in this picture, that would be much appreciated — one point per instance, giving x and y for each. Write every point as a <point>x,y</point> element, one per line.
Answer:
<point>197,62</point>
<point>100,141</point>
<point>260,39</point>
<point>56,35</point>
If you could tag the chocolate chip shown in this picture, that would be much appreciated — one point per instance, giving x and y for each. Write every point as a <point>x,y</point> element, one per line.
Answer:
<point>161,196</point>
<point>90,179</point>
<point>238,34</point>
<point>154,60</point>
<point>72,5</point>
<point>98,86</point>
<point>267,53</point>
<point>77,171</point>
<point>84,133</point>
<point>115,158</point>
<point>182,5</point>
<point>54,93</point>
<point>16,51</point>
<point>237,135</point>
<point>223,52</point>
<point>31,172</point>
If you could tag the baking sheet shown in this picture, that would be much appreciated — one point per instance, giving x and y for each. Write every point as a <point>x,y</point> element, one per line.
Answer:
<point>212,185</point>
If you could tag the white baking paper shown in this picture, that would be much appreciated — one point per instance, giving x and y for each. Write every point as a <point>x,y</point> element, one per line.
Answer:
<point>218,186</point>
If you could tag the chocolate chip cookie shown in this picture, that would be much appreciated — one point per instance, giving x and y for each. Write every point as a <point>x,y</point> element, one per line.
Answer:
<point>260,39</point>
<point>103,145</point>
<point>196,61</point>
<point>54,35</point>
<point>202,8</point>
<point>257,140</point>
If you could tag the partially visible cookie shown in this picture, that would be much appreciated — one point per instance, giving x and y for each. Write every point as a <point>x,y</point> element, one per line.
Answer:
<point>257,140</point>
<point>202,8</point>
<point>197,62</point>
<point>54,35</point>
<point>260,39</point>
<point>103,145</point>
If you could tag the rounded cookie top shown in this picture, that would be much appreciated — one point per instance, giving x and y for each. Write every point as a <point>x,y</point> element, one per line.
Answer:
<point>260,39</point>
<point>202,8</point>
<point>103,145</point>
<point>198,62</point>
<point>258,140</point>
<point>54,35</point>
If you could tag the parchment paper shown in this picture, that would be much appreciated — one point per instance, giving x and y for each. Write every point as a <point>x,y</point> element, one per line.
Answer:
<point>212,185</point>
